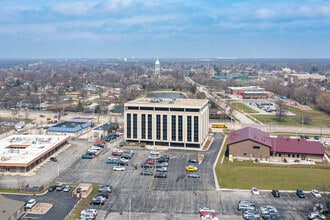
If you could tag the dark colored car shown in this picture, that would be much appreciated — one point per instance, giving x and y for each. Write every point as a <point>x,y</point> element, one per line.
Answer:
<point>159,165</point>
<point>126,156</point>
<point>276,193</point>
<point>145,165</point>
<point>122,163</point>
<point>193,161</point>
<point>103,194</point>
<point>51,188</point>
<point>87,156</point>
<point>97,201</point>
<point>146,173</point>
<point>54,159</point>
<point>160,175</point>
<point>300,193</point>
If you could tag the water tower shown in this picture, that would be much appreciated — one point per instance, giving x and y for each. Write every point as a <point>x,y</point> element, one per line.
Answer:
<point>157,67</point>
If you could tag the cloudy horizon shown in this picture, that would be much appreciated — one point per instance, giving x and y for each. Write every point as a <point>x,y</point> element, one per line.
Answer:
<point>165,29</point>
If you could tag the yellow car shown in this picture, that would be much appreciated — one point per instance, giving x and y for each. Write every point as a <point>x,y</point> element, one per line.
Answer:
<point>191,168</point>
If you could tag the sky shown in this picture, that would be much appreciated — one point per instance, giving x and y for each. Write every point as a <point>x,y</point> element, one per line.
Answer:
<point>165,29</point>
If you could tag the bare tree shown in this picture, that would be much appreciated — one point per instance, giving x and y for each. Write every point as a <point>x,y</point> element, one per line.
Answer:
<point>281,109</point>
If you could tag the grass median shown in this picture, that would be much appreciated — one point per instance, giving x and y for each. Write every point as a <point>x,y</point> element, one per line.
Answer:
<point>247,174</point>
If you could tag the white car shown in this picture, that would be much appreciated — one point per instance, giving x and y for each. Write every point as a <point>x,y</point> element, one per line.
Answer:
<point>30,203</point>
<point>119,168</point>
<point>316,215</point>
<point>89,212</point>
<point>255,191</point>
<point>316,193</point>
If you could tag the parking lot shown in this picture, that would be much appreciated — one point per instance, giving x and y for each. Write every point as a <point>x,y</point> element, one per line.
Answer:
<point>146,197</point>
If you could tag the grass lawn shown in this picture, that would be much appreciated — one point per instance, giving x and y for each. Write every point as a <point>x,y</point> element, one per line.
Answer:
<point>243,108</point>
<point>318,118</point>
<point>246,174</point>
<point>83,204</point>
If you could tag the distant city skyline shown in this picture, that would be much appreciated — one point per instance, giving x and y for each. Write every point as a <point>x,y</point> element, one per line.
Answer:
<point>165,29</point>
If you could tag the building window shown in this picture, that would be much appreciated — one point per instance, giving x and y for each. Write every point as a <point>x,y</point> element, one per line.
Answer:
<point>149,126</point>
<point>256,147</point>
<point>128,126</point>
<point>189,128</point>
<point>279,155</point>
<point>244,154</point>
<point>289,155</point>
<point>143,126</point>
<point>173,127</point>
<point>196,127</point>
<point>134,125</point>
<point>158,127</point>
<point>180,128</point>
<point>164,127</point>
<point>297,155</point>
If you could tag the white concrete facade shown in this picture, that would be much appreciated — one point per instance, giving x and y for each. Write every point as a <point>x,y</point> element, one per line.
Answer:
<point>167,122</point>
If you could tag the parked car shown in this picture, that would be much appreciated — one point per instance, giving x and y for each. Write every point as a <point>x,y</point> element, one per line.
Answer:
<point>193,161</point>
<point>191,168</point>
<point>67,188</point>
<point>89,212</point>
<point>126,156</point>
<point>161,169</point>
<point>99,200</point>
<point>51,188</point>
<point>245,205</point>
<point>112,160</point>
<point>122,162</point>
<point>105,188</point>
<point>160,175</point>
<point>193,175</point>
<point>255,191</point>
<point>87,156</point>
<point>60,187</point>
<point>119,168</point>
<point>54,159</point>
<point>145,165</point>
<point>316,193</point>
<point>276,193</point>
<point>29,204</point>
<point>316,215</point>
<point>103,194</point>
<point>116,153</point>
<point>146,173</point>
<point>300,193</point>
<point>150,162</point>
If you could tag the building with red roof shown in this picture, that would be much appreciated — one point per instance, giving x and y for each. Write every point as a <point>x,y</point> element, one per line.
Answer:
<point>252,143</point>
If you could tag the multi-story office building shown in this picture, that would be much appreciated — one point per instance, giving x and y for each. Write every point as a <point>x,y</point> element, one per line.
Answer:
<point>167,122</point>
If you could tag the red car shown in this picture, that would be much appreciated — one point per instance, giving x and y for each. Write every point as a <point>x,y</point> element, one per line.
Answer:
<point>150,162</point>
<point>116,153</point>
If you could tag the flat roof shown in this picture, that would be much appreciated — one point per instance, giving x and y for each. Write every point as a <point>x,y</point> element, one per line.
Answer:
<point>245,87</point>
<point>178,103</point>
<point>23,149</point>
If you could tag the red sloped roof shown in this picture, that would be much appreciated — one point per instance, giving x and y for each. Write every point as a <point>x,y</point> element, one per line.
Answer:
<point>250,133</point>
<point>294,145</point>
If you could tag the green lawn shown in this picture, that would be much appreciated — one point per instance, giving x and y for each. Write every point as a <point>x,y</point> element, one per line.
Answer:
<point>243,108</point>
<point>318,118</point>
<point>246,174</point>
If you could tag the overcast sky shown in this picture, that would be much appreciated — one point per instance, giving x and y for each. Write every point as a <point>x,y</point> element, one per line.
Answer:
<point>165,29</point>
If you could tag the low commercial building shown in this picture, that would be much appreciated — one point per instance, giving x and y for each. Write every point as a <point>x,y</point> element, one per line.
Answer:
<point>251,143</point>
<point>257,95</point>
<point>10,209</point>
<point>239,90</point>
<point>167,122</point>
<point>21,153</point>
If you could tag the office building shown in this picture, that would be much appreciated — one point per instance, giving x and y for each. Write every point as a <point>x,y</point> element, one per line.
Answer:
<point>167,122</point>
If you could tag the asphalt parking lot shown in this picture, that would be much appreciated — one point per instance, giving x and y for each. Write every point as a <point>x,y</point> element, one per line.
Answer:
<point>62,203</point>
<point>145,197</point>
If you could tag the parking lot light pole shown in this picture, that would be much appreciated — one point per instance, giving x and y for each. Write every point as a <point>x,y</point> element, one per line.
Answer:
<point>58,170</point>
